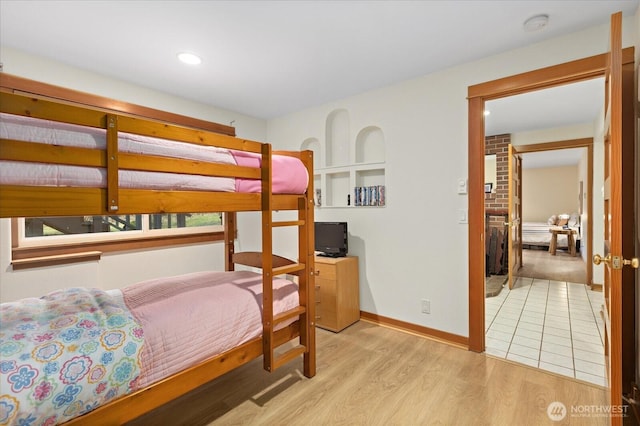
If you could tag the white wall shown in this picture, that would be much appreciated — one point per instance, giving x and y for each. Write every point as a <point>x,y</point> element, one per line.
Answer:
<point>585,217</point>
<point>414,248</point>
<point>490,170</point>
<point>547,191</point>
<point>44,70</point>
<point>598,198</point>
<point>554,134</point>
<point>114,269</point>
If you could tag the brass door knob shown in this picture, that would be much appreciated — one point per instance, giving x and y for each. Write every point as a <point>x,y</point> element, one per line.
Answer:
<point>617,262</point>
<point>597,259</point>
<point>634,263</point>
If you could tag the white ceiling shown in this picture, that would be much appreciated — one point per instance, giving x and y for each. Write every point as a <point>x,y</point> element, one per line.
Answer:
<point>567,105</point>
<point>572,104</point>
<point>557,158</point>
<point>269,58</point>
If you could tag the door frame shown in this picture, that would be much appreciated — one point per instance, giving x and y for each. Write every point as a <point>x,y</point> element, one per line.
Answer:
<point>477,95</point>
<point>588,210</point>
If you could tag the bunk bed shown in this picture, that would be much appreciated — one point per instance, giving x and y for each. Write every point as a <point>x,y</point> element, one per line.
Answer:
<point>251,178</point>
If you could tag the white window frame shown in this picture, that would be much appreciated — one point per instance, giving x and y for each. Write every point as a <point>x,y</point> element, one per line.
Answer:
<point>94,237</point>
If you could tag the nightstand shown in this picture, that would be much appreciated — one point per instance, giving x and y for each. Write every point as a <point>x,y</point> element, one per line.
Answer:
<point>337,292</point>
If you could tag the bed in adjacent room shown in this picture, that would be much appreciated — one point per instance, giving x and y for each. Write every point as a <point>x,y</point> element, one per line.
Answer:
<point>538,235</point>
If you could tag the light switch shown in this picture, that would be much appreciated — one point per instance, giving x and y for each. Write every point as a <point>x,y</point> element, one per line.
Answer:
<point>462,216</point>
<point>462,186</point>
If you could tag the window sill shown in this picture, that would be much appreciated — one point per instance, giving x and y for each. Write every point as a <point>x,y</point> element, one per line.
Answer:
<point>60,259</point>
<point>36,257</point>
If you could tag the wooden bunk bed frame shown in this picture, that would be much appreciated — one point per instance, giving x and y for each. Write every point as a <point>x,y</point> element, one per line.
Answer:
<point>29,98</point>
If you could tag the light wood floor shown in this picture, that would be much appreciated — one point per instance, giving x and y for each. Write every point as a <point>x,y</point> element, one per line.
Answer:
<point>372,375</point>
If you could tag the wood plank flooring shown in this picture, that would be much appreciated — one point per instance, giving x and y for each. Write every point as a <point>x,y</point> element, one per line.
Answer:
<point>373,375</point>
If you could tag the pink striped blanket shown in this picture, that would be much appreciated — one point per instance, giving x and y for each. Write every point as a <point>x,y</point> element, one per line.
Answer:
<point>73,350</point>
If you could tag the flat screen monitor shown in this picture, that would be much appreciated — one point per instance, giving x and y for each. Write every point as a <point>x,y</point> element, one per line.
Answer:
<point>331,239</point>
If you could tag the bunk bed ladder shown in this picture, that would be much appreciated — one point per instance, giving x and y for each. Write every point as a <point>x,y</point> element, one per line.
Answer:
<point>271,359</point>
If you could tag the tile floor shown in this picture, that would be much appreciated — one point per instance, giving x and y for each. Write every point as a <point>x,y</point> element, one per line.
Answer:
<point>552,325</point>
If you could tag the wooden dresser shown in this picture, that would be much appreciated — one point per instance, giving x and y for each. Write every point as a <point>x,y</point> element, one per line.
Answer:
<point>337,292</point>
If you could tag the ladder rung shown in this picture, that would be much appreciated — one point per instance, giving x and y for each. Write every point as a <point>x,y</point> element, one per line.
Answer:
<point>288,356</point>
<point>277,319</point>
<point>288,223</point>
<point>287,269</point>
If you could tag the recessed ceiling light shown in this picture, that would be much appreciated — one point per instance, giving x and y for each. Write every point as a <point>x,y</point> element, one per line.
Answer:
<point>536,23</point>
<point>189,58</point>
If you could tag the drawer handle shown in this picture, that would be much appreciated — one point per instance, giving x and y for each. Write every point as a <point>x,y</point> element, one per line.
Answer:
<point>317,272</point>
<point>317,286</point>
<point>318,317</point>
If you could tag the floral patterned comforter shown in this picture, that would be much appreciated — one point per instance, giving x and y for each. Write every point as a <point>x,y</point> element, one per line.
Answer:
<point>65,354</point>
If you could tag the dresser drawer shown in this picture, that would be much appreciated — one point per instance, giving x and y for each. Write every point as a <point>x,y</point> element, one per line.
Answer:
<point>325,271</point>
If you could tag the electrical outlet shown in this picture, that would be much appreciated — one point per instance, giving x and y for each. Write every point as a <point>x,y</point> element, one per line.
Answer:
<point>426,306</point>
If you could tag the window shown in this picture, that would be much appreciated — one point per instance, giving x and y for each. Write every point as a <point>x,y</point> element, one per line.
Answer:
<point>77,225</point>
<point>59,228</point>
<point>52,236</point>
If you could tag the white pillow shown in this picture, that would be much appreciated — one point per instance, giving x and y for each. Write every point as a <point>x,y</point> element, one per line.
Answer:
<point>573,220</point>
<point>563,219</point>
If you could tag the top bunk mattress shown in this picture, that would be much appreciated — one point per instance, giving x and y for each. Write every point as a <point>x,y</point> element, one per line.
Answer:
<point>289,175</point>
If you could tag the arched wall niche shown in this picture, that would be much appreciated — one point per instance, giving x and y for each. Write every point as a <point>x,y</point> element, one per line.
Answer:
<point>337,138</point>
<point>370,145</point>
<point>313,144</point>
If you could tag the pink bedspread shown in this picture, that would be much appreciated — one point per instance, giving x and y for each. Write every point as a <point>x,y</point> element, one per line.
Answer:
<point>190,318</point>
<point>288,174</point>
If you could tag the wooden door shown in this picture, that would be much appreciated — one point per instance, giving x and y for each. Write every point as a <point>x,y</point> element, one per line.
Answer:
<point>617,309</point>
<point>515,214</point>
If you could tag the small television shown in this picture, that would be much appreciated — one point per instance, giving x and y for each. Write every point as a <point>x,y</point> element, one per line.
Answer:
<point>331,239</point>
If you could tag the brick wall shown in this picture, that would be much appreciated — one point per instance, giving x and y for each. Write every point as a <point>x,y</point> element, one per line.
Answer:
<point>498,199</point>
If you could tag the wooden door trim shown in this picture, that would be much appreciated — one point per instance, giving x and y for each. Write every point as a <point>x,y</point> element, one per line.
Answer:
<point>514,161</point>
<point>544,78</point>
<point>613,210</point>
<point>574,71</point>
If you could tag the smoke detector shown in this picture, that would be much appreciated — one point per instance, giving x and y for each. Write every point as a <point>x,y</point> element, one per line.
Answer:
<point>536,23</point>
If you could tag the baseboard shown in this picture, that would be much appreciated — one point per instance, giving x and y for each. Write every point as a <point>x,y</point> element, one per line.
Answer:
<point>430,333</point>
<point>596,287</point>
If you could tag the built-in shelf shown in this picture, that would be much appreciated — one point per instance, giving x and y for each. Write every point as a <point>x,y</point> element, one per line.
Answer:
<point>340,181</point>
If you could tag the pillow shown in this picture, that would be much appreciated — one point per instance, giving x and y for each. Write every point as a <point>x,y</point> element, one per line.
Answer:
<point>552,220</point>
<point>563,219</point>
<point>573,220</point>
